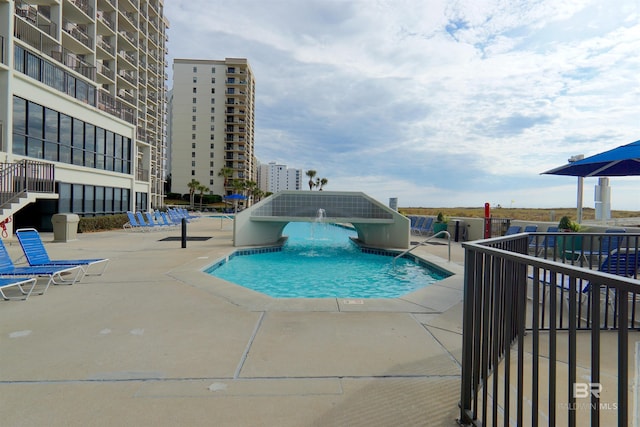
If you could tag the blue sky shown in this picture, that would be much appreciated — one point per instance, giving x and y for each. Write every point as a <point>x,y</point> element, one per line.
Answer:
<point>439,103</point>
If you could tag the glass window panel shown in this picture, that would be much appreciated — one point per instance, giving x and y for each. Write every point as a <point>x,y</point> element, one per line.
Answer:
<point>78,142</point>
<point>88,199</point>
<point>33,66</point>
<point>19,144</point>
<point>19,115</point>
<point>51,151</point>
<point>99,148</point>
<point>125,199</point>
<point>51,124</point>
<point>65,129</point>
<point>35,120</point>
<point>91,95</point>
<point>34,148</point>
<point>99,200</point>
<point>89,145</point>
<point>64,154</point>
<point>108,200</point>
<point>77,205</point>
<point>71,86</point>
<point>117,200</point>
<point>64,198</point>
<point>18,58</point>
<point>81,90</point>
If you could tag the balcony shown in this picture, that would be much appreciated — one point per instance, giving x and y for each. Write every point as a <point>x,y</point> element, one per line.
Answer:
<point>78,32</point>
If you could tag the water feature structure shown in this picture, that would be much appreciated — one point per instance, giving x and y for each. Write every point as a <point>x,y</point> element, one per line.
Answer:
<point>377,225</point>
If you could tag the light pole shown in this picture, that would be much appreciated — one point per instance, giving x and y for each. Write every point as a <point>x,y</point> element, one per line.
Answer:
<point>573,159</point>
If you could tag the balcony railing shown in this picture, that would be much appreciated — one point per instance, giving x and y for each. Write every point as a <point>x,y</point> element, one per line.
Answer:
<point>531,301</point>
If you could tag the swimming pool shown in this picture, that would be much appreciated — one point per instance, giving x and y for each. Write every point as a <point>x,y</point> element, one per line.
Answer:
<point>320,261</point>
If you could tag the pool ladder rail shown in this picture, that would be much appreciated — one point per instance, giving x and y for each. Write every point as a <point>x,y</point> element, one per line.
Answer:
<point>424,242</point>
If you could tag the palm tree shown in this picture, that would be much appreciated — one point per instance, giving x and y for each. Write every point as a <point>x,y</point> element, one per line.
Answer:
<point>311,174</point>
<point>202,189</point>
<point>258,194</point>
<point>193,187</point>
<point>227,174</point>
<point>251,187</point>
<point>323,182</point>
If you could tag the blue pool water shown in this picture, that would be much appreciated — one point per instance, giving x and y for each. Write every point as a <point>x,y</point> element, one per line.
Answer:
<point>319,261</point>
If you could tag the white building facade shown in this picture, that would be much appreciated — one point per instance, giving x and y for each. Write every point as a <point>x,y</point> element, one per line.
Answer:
<point>211,118</point>
<point>277,177</point>
<point>82,90</point>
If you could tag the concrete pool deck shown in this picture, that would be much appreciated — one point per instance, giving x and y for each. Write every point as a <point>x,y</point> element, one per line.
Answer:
<point>155,341</point>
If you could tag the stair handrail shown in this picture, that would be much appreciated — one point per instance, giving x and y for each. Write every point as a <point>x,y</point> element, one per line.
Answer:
<point>19,178</point>
<point>424,242</point>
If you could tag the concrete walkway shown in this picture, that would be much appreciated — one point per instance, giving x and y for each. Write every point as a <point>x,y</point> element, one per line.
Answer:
<point>157,342</point>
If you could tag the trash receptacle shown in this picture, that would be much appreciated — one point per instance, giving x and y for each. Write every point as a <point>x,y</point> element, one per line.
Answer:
<point>65,227</point>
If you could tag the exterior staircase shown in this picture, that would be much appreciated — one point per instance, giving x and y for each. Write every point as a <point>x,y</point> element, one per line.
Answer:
<point>22,183</point>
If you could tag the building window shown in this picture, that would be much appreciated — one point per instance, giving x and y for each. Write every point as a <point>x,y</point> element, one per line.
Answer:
<point>195,100</point>
<point>212,137</point>
<point>210,173</point>
<point>211,146</point>
<point>211,155</point>
<point>213,70</point>
<point>194,109</point>
<point>211,182</point>
<point>193,145</point>
<point>195,90</point>
<point>193,154</point>
<point>195,79</point>
<point>213,90</point>
<point>213,100</point>
<point>213,110</point>
<point>211,164</point>
<point>193,173</point>
<point>212,128</point>
<point>213,80</point>
<point>193,136</point>
<point>193,127</point>
<point>193,163</point>
<point>193,118</point>
<point>195,69</point>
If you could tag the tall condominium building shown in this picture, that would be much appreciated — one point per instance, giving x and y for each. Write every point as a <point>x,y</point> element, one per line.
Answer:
<point>82,108</point>
<point>212,120</point>
<point>273,177</point>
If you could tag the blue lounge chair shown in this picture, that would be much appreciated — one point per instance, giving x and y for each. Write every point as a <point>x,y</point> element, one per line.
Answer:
<point>418,225</point>
<point>548,241</point>
<point>133,223</point>
<point>53,273</point>
<point>425,229</point>
<point>36,255</point>
<point>20,283</point>
<point>514,229</point>
<point>153,222</point>
<point>162,218</point>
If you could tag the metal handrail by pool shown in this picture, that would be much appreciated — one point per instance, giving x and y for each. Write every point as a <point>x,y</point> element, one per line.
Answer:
<point>424,242</point>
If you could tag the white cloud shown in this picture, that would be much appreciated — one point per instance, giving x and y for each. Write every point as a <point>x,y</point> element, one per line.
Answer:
<point>436,102</point>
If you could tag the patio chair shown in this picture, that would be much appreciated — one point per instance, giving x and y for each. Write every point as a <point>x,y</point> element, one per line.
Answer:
<point>53,273</point>
<point>20,283</point>
<point>153,222</point>
<point>514,229</point>
<point>133,223</point>
<point>418,224</point>
<point>37,256</point>
<point>162,217</point>
<point>425,229</point>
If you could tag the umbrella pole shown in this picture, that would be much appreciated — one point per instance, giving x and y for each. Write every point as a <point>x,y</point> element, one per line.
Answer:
<point>580,188</point>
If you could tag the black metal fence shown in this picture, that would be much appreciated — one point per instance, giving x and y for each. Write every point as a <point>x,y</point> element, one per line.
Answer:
<point>530,302</point>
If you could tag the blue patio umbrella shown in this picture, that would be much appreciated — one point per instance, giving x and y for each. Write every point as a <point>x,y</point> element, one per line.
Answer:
<point>621,161</point>
<point>235,197</point>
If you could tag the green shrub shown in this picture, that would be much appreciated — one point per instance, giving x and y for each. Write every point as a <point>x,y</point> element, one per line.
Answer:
<point>102,223</point>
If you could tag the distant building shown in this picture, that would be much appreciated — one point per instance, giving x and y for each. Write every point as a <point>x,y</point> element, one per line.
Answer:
<point>211,119</point>
<point>273,177</point>
<point>83,112</point>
